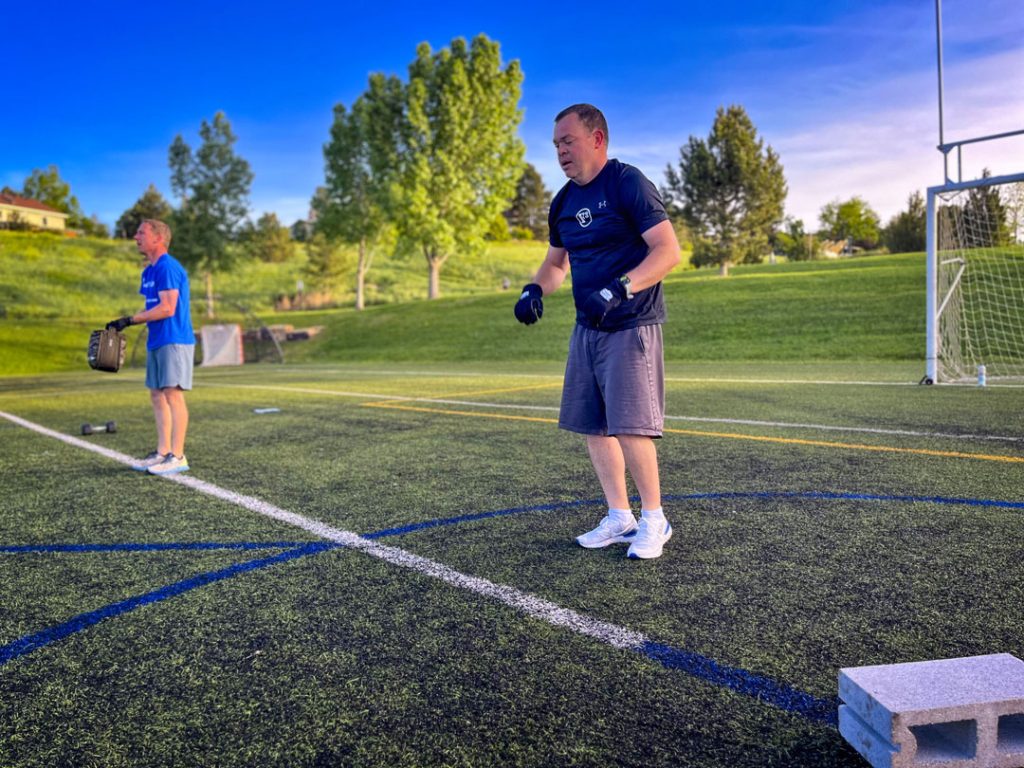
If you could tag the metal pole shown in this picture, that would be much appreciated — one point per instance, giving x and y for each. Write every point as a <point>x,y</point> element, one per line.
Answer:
<point>938,42</point>
<point>931,353</point>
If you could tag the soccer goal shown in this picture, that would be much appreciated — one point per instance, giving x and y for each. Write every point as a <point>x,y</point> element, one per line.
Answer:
<point>975,297</point>
<point>222,345</point>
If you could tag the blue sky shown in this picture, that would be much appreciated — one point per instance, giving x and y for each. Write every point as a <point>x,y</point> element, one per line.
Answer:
<point>845,92</point>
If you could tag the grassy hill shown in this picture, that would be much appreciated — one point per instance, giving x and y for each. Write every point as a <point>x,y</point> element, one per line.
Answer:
<point>53,291</point>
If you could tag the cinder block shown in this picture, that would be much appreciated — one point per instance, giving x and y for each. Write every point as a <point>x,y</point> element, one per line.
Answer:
<point>947,713</point>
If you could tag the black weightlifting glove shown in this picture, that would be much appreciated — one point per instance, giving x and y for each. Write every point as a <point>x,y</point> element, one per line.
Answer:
<point>600,303</point>
<point>530,307</point>
<point>120,324</point>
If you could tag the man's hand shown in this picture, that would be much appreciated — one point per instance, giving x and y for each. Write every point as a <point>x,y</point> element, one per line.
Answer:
<point>600,303</point>
<point>530,307</point>
<point>121,323</point>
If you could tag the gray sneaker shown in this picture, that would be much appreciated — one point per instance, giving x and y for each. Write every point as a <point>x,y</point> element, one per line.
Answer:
<point>143,464</point>
<point>171,465</point>
<point>608,531</point>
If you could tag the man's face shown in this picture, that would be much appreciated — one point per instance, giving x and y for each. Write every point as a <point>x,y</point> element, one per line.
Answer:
<point>148,242</point>
<point>581,153</point>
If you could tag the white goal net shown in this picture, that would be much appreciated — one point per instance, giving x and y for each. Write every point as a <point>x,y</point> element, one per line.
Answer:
<point>222,345</point>
<point>975,281</point>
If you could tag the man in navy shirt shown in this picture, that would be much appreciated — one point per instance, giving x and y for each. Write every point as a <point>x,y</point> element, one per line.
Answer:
<point>170,346</point>
<point>608,224</point>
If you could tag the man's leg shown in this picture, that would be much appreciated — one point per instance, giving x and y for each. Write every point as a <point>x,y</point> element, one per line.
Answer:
<point>610,465</point>
<point>175,399</point>
<point>641,458</point>
<point>162,414</point>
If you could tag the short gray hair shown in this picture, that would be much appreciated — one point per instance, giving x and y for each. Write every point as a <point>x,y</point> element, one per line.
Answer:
<point>160,229</point>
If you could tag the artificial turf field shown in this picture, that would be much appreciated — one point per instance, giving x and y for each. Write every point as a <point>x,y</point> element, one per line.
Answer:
<point>825,516</point>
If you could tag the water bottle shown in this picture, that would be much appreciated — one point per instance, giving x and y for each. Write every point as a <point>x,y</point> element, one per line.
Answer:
<point>982,378</point>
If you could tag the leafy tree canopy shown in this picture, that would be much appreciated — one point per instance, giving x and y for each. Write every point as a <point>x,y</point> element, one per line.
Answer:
<point>852,220</point>
<point>453,154</point>
<point>267,240</point>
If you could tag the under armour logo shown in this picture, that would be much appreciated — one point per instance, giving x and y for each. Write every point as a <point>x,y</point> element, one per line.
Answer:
<point>583,217</point>
<point>603,204</point>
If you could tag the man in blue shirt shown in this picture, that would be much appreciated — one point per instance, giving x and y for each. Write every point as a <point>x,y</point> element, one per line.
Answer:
<point>608,224</point>
<point>170,346</point>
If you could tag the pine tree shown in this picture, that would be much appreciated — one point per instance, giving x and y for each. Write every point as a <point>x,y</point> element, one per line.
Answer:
<point>730,190</point>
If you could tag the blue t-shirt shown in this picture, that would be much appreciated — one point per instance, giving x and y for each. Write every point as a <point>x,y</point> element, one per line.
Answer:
<point>601,224</point>
<point>167,274</point>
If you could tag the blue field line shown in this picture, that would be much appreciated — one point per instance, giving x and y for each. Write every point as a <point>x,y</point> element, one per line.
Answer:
<point>479,516</point>
<point>741,681</point>
<point>41,639</point>
<point>736,679</point>
<point>19,549</point>
<point>819,495</point>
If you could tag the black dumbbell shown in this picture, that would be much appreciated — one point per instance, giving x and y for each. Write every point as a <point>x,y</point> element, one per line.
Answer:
<point>110,426</point>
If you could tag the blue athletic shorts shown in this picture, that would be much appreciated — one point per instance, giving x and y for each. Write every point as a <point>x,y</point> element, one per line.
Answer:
<point>170,366</point>
<point>614,382</point>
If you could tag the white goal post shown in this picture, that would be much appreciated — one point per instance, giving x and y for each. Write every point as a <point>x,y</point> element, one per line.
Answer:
<point>975,283</point>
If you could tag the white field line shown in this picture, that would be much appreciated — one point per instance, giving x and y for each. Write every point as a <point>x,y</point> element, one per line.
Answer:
<point>696,419</point>
<point>531,605</point>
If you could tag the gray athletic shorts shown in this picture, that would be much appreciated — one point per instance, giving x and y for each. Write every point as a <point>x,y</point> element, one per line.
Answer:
<point>170,366</point>
<point>614,382</point>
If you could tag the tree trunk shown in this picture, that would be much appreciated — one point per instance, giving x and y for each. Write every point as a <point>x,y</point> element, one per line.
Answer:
<point>209,295</point>
<point>723,269</point>
<point>434,262</point>
<point>361,267</point>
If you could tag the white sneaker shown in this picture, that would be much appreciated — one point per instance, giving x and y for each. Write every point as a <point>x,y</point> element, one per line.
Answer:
<point>143,464</point>
<point>170,465</point>
<point>649,540</point>
<point>608,531</point>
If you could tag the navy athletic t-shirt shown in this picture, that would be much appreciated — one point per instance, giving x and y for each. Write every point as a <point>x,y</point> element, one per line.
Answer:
<point>601,224</point>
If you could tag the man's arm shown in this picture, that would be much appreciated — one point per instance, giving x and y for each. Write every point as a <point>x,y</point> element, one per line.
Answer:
<point>662,257</point>
<point>168,304</point>
<point>553,270</point>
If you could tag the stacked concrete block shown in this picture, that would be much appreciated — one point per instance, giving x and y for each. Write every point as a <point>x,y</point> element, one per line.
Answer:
<point>948,713</point>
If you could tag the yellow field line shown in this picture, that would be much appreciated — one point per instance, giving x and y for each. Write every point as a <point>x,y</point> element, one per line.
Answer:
<point>852,446</point>
<point>475,392</point>
<point>506,416</point>
<point>727,435</point>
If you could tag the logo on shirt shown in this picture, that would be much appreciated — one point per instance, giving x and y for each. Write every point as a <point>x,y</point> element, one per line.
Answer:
<point>603,204</point>
<point>584,217</point>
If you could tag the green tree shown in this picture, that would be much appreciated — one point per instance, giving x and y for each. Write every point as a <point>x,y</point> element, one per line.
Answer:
<point>730,191</point>
<point>795,242</point>
<point>301,231</point>
<point>529,209</point>
<point>326,260</point>
<point>985,217</point>
<point>49,188</point>
<point>457,157</point>
<point>213,187</point>
<point>268,240</point>
<point>853,220</point>
<point>150,206</point>
<point>905,232</point>
<point>350,206</point>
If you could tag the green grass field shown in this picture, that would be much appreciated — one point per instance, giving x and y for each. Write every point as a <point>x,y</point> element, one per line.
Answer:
<point>383,573</point>
<point>827,513</point>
